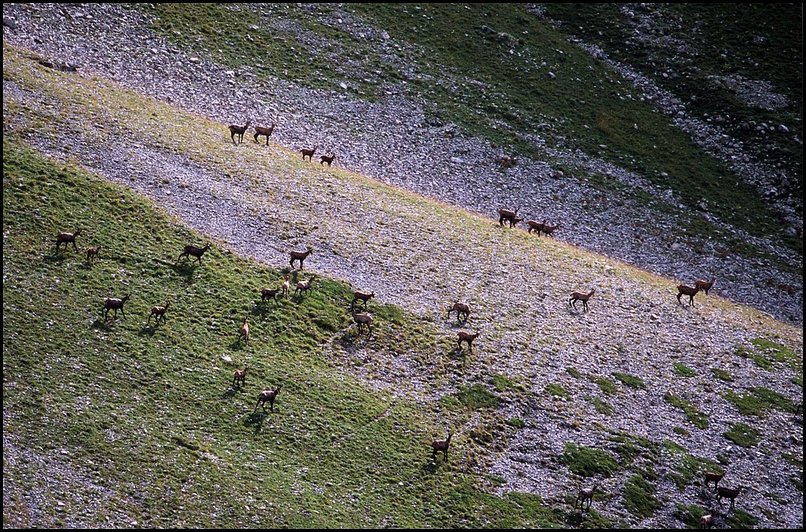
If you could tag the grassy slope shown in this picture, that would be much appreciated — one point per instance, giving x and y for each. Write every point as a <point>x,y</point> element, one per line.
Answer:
<point>213,431</point>
<point>459,55</point>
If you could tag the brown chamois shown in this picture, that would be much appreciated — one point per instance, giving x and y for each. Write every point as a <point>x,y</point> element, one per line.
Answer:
<point>535,226</point>
<point>239,377</point>
<point>92,253</point>
<point>267,395</point>
<point>586,494</point>
<point>158,311</point>
<point>361,319</point>
<point>194,251</point>
<point>362,296</point>
<point>730,493</point>
<point>269,293</point>
<point>548,229</point>
<point>67,238</point>
<point>300,256</point>
<point>286,286</point>
<point>308,153</point>
<point>114,303</point>
<point>707,521</point>
<point>466,337</point>
<point>244,331</point>
<point>461,309</point>
<point>304,286</point>
<point>327,159</point>
<point>689,291</point>
<point>704,285</point>
<point>579,296</point>
<point>509,216</point>
<point>266,131</point>
<point>441,445</point>
<point>712,477</point>
<point>239,130</point>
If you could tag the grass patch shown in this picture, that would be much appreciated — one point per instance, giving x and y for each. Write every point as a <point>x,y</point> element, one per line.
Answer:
<point>601,406</point>
<point>697,418</point>
<point>558,391</point>
<point>630,380</point>
<point>759,400</point>
<point>741,520</point>
<point>587,461</point>
<point>639,497</point>
<point>722,375</point>
<point>689,514</point>
<point>683,370</point>
<point>476,397</point>
<point>743,435</point>
<point>606,385</point>
<point>574,372</point>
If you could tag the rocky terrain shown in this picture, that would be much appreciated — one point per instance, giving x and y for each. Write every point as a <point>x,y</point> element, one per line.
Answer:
<point>394,142</point>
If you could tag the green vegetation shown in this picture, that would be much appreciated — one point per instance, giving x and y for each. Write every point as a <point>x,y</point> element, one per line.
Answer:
<point>476,397</point>
<point>721,374</point>
<point>743,435</point>
<point>683,370</point>
<point>765,353</point>
<point>759,400</point>
<point>690,467</point>
<point>690,514</point>
<point>696,417</point>
<point>741,520</point>
<point>557,390</point>
<point>110,384</point>
<point>606,385</point>
<point>574,373</point>
<point>588,462</point>
<point>601,406</point>
<point>630,380</point>
<point>639,497</point>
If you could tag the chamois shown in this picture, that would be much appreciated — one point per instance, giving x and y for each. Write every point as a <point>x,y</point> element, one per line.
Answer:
<point>466,337</point>
<point>267,131</point>
<point>327,159</point>
<point>707,521</point>
<point>194,251</point>
<point>586,494</point>
<point>548,229</point>
<point>92,253</point>
<point>239,376</point>
<point>267,293</point>
<point>308,153</point>
<point>689,291</point>
<point>158,312</point>
<point>461,309</point>
<point>239,130</point>
<point>304,286</point>
<point>713,477</point>
<point>535,226</point>
<point>361,319</point>
<point>67,238</point>
<point>267,395</point>
<point>704,285</point>
<point>362,296</point>
<point>300,256</point>
<point>579,296</point>
<point>510,216</point>
<point>441,445</point>
<point>114,303</point>
<point>286,286</point>
<point>244,331</point>
<point>730,493</point>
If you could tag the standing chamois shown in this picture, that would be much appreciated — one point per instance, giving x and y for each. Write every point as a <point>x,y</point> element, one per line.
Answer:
<point>300,256</point>
<point>689,291</point>
<point>194,251</point>
<point>266,131</point>
<point>267,396</point>
<point>441,445</point>
<point>579,296</point>
<point>509,216</point>
<point>67,238</point>
<point>239,130</point>
<point>308,153</point>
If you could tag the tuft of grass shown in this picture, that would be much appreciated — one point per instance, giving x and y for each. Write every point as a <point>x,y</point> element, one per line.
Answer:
<point>476,397</point>
<point>601,406</point>
<point>632,381</point>
<point>721,374</point>
<point>639,497</point>
<point>689,514</point>
<point>573,372</point>
<point>697,418</point>
<point>587,461</point>
<point>683,370</point>
<point>606,385</point>
<point>743,435</point>
<point>557,390</point>
<point>759,400</point>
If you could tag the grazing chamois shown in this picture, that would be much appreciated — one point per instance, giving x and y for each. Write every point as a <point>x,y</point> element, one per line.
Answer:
<point>730,493</point>
<point>361,296</point>
<point>509,216</point>
<point>158,312</point>
<point>239,377</point>
<point>92,253</point>
<point>466,337</point>
<point>441,445</point>
<point>535,226</point>
<point>244,331</point>
<point>689,291</point>
<point>704,285</point>
<point>239,130</point>
<point>586,494</point>
<point>327,159</point>
<point>114,303</point>
<point>461,309</point>
<point>300,256</point>
<point>268,293</point>
<point>267,396</point>
<point>712,477</point>
<point>304,286</point>
<point>194,251</point>
<point>361,319</point>
<point>308,153</point>
<point>548,229</point>
<point>267,131</point>
<point>67,238</point>
<point>579,296</point>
